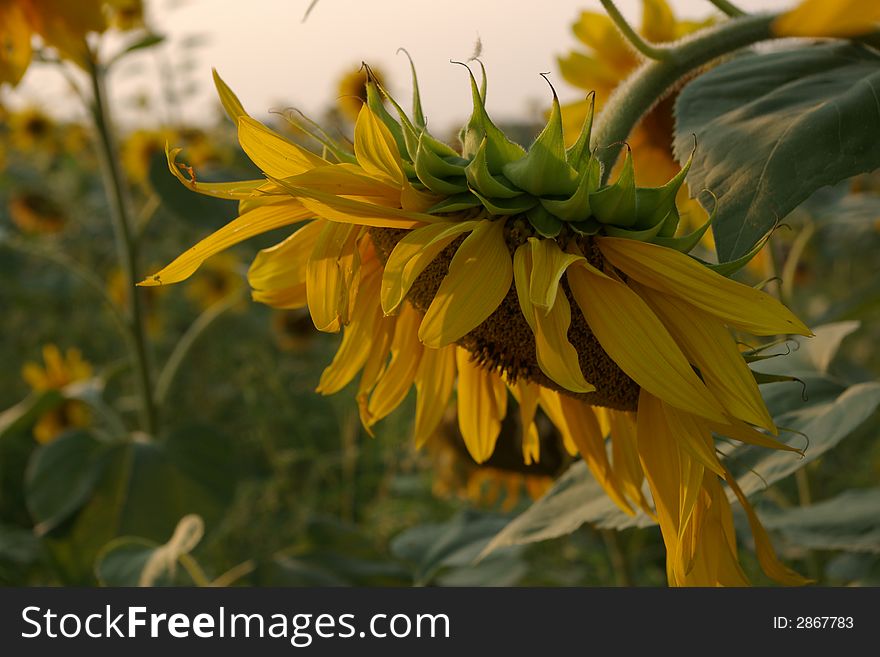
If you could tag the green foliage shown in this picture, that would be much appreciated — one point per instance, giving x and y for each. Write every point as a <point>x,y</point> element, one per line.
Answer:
<point>772,128</point>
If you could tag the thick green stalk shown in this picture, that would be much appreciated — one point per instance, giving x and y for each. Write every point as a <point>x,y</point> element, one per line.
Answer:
<point>126,246</point>
<point>647,85</point>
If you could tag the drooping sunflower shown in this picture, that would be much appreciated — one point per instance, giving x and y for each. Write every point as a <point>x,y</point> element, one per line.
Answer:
<point>57,371</point>
<point>496,273</point>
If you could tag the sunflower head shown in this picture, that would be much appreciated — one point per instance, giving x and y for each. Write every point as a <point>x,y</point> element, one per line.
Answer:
<point>31,129</point>
<point>34,212</point>
<point>351,91</point>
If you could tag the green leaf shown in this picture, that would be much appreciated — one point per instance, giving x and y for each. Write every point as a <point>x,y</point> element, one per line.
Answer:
<point>850,521</point>
<point>773,128</point>
<point>61,477</point>
<point>144,488</point>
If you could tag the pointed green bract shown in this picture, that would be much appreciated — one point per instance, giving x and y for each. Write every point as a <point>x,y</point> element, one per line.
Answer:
<point>499,149</point>
<point>545,171</point>
<point>507,206</point>
<point>482,181</point>
<point>577,206</point>
<point>418,115</point>
<point>654,204</point>
<point>546,224</point>
<point>579,153</point>
<point>616,204</point>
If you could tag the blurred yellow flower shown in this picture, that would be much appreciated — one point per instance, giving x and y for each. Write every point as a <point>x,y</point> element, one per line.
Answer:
<point>56,372</point>
<point>218,280</point>
<point>352,91</point>
<point>139,148</point>
<point>31,130</point>
<point>34,212</point>
<point>829,18</point>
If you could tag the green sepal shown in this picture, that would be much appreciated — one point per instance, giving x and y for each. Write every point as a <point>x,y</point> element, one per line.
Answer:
<point>762,378</point>
<point>499,149</point>
<point>577,206</point>
<point>730,268</point>
<point>579,153</point>
<point>545,171</point>
<point>482,181</point>
<point>436,173</point>
<point>654,204</point>
<point>543,222</point>
<point>418,115</point>
<point>644,235</point>
<point>757,354</point>
<point>616,204</point>
<point>587,227</point>
<point>507,206</point>
<point>686,242</point>
<point>456,203</point>
<point>670,224</point>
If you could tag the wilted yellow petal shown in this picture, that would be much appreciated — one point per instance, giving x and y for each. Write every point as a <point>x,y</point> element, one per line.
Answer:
<point>434,383</point>
<point>576,421</point>
<point>259,220</point>
<point>739,430</point>
<point>276,156</point>
<point>327,277</point>
<point>277,275</point>
<point>375,148</point>
<point>770,563</point>
<point>231,104</point>
<point>556,356</point>
<point>679,275</point>
<point>479,278</point>
<point>396,380</point>
<point>238,190</point>
<point>357,339</point>
<point>709,345</point>
<point>829,18</point>
<point>526,395</point>
<point>694,435</point>
<point>661,463</point>
<point>548,264</point>
<point>481,406</point>
<point>415,251</point>
<point>638,342</point>
<point>625,457</point>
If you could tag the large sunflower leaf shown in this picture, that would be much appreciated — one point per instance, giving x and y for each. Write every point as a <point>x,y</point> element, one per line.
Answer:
<point>772,128</point>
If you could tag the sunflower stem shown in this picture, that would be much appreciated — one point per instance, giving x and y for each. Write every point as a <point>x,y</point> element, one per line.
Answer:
<point>617,557</point>
<point>648,50</point>
<point>186,342</point>
<point>649,83</point>
<point>728,8</point>
<point>126,245</point>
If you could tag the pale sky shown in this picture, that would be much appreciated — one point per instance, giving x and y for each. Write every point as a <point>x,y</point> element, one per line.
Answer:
<point>273,60</point>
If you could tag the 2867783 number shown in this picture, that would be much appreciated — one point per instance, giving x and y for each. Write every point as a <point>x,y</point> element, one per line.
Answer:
<point>823,622</point>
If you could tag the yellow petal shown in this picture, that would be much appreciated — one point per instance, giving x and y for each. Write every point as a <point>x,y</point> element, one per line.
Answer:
<point>709,345</point>
<point>658,21</point>
<point>479,278</point>
<point>375,148</point>
<point>829,18</point>
<point>357,338</point>
<point>238,190</point>
<point>770,563</point>
<point>694,435</point>
<point>526,395</point>
<point>231,104</point>
<point>661,463</point>
<point>638,342</point>
<point>556,356</point>
<point>434,382</point>
<point>415,251</point>
<point>375,366</point>
<point>739,430</point>
<point>548,264</point>
<point>346,180</point>
<point>15,35</point>
<point>278,274</point>
<point>480,406</point>
<point>275,155</point>
<point>576,421</point>
<point>396,380</point>
<point>625,457</point>
<point>259,220</point>
<point>679,275</point>
<point>328,275</point>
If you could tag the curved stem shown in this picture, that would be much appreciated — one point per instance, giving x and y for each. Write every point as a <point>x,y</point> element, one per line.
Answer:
<point>126,245</point>
<point>638,94</point>
<point>728,8</point>
<point>187,340</point>
<point>648,50</point>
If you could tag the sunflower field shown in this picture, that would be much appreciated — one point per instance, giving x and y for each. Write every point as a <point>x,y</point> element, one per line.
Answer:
<point>624,337</point>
